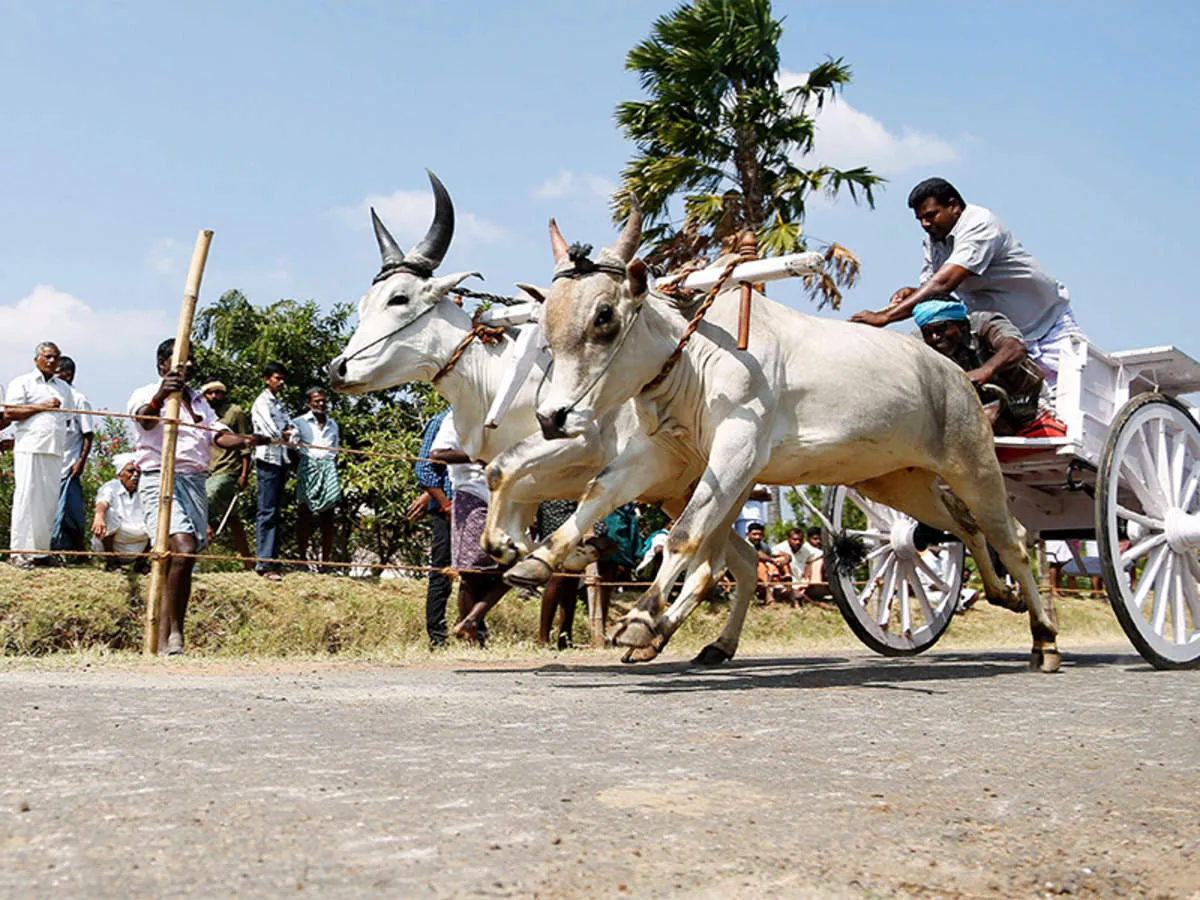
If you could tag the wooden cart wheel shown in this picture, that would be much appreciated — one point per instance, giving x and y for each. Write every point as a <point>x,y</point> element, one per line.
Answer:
<point>1148,525</point>
<point>900,600</point>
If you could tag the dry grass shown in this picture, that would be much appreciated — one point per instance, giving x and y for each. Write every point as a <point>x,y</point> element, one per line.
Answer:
<point>85,610</point>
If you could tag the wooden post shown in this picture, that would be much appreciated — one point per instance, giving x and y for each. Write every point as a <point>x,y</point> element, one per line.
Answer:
<point>595,608</point>
<point>166,488</point>
<point>749,250</point>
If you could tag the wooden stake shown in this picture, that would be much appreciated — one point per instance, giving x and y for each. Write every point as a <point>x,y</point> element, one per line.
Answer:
<point>166,488</point>
<point>749,250</point>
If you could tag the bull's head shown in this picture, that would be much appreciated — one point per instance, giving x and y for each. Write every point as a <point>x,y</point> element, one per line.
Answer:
<point>384,350</point>
<point>589,311</point>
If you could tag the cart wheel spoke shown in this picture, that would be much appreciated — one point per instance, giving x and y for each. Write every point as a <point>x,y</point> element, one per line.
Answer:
<point>1158,612</point>
<point>1142,519</point>
<point>1149,576</point>
<point>1188,494</point>
<point>922,597</point>
<point>884,612</point>
<point>931,574</point>
<point>1142,548</point>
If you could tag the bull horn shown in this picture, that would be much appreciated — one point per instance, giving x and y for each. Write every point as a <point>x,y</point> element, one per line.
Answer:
<point>392,254</point>
<point>631,237</point>
<point>558,242</point>
<point>428,254</point>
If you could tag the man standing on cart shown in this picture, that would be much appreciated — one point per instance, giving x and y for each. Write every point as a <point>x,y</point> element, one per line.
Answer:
<point>970,252</point>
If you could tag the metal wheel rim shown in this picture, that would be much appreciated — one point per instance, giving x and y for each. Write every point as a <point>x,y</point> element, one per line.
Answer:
<point>920,601</point>
<point>1153,478</point>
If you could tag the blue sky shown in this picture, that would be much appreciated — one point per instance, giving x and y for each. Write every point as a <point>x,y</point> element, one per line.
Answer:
<point>130,125</point>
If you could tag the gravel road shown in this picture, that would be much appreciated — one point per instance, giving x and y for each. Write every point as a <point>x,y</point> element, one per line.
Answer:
<point>953,774</point>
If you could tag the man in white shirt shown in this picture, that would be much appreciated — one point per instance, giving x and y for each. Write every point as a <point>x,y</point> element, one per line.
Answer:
<point>270,418</point>
<point>481,589</point>
<point>118,525</point>
<point>801,553</point>
<point>970,252</point>
<point>39,438</point>
<point>69,531</point>
<point>317,487</point>
<point>189,507</point>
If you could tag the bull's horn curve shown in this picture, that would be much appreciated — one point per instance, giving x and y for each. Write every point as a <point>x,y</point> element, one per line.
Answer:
<point>558,242</point>
<point>388,248</point>
<point>428,254</point>
<point>631,237</point>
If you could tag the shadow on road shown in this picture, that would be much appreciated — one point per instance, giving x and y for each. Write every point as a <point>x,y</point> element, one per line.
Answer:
<point>928,675</point>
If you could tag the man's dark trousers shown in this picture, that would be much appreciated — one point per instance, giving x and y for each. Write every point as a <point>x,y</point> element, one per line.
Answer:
<point>438,591</point>
<point>271,479</point>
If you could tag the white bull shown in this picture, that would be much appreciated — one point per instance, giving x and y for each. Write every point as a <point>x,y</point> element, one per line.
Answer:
<point>409,329</point>
<point>812,401</point>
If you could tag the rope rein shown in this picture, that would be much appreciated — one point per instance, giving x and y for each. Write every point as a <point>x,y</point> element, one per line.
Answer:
<point>487,334</point>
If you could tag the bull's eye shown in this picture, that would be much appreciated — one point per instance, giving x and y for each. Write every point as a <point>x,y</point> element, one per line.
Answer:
<point>398,300</point>
<point>604,317</point>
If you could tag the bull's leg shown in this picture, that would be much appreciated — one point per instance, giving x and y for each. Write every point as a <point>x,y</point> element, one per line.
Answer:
<point>984,496</point>
<point>639,467</point>
<point>738,451</point>
<point>696,585</point>
<point>519,476</point>
<point>742,562</point>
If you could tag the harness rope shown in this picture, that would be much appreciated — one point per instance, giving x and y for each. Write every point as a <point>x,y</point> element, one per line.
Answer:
<point>487,334</point>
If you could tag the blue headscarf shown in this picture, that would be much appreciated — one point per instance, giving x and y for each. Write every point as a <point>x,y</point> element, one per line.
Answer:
<point>930,312</point>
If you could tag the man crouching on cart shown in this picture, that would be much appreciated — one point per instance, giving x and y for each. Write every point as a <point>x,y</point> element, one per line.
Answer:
<point>990,349</point>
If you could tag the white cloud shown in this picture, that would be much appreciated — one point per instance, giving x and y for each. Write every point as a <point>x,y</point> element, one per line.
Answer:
<point>408,215</point>
<point>848,138</point>
<point>569,184</point>
<point>165,256</point>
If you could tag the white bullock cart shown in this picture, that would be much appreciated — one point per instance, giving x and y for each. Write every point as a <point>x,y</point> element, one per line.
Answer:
<point>1127,474</point>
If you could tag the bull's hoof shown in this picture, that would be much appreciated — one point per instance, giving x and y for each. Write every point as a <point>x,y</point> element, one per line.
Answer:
<point>506,554</point>
<point>712,655</point>
<point>635,630</point>
<point>639,654</point>
<point>1045,659</point>
<point>529,572</point>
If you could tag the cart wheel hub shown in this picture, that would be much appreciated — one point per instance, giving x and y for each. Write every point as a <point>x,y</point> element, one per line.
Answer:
<point>1182,530</point>
<point>903,531</point>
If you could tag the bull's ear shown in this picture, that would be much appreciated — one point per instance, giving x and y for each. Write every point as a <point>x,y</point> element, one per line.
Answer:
<point>533,291</point>
<point>449,282</point>
<point>635,274</point>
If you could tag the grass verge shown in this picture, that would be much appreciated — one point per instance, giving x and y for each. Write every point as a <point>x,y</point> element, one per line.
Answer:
<point>239,614</point>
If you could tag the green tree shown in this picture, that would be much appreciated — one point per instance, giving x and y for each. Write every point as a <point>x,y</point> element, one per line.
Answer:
<point>234,339</point>
<point>720,132</point>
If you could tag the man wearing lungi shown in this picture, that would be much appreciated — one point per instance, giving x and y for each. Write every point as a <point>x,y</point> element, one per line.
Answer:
<point>317,486</point>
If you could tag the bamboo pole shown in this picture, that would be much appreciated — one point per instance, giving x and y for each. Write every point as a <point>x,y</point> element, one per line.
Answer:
<point>749,251</point>
<point>166,489</point>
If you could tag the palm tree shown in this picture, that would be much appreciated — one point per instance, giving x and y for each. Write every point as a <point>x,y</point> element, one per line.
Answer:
<point>719,130</point>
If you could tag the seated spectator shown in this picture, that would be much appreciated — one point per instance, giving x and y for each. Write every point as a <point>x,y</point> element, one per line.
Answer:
<point>990,349</point>
<point>118,525</point>
<point>802,555</point>
<point>771,572</point>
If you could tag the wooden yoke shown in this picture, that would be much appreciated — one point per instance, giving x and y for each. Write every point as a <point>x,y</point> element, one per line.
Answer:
<point>170,425</point>
<point>748,250</point>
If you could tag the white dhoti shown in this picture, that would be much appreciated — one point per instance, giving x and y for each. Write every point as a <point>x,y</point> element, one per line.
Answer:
<point>35,501</point>
<point>1047,350</point>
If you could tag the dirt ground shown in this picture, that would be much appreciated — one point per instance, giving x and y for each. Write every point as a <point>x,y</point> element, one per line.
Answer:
<point>956,774</point>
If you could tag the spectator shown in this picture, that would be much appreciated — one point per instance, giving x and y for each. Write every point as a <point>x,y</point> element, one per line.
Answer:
<point>189,509</point>
<point>270,419</point>
<point>228,472</point>
<point>317,487</point>
<point>434,502</point>
<point>562,591</point>
<point>770,571</point>
<point>70,519</point>
<point>39,440</point>
<point>6,431</point>
<point>119,525</point>
<point>754,509</point>
<point>801,553</point>
<point>481,589</point>
<point>652,554</point>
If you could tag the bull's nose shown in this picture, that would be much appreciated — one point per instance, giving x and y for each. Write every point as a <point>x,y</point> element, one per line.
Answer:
<point>552,424</point>
<point>337,371</point>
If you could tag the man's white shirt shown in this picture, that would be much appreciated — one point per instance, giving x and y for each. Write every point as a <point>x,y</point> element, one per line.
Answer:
<point>467,477</point>
<point>269,416</point>
<point>123,518</point>
<point>309,431</point>
<point>800,558</point>
<point>1004,277</point>
<point>44,432</point>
